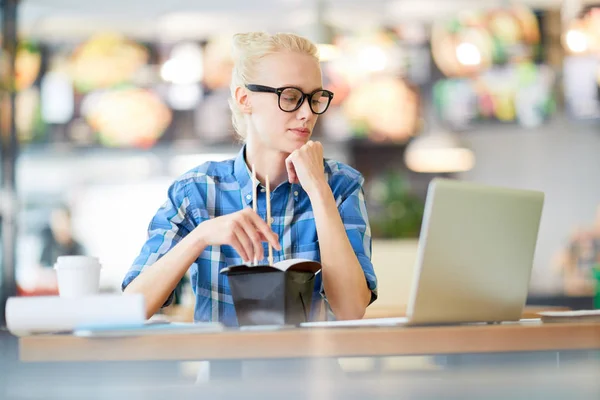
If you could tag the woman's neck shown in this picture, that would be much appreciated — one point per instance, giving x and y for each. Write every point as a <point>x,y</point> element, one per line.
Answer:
<point>266,162</point>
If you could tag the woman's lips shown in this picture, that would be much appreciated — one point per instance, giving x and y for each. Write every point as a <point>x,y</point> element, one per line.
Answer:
<point>302,132</point>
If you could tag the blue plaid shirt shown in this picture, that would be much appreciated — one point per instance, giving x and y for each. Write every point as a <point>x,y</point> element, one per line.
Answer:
<point>219,188</point>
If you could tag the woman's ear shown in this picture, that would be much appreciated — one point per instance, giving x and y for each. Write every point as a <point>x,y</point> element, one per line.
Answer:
<point>243,100</point>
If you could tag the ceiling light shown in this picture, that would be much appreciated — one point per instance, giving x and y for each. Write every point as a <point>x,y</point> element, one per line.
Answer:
<point>468,54</point>
<point>576,41</point>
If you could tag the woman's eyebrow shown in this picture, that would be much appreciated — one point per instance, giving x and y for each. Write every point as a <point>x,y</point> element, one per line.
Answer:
<point>298,87</point>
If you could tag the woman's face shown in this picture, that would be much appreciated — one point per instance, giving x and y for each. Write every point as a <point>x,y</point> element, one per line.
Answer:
<point>269,126</point>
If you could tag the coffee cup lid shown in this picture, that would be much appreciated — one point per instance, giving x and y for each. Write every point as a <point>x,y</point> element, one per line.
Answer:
<point>76,261</point>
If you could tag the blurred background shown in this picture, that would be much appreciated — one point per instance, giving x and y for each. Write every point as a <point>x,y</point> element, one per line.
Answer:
<point>115,99</point>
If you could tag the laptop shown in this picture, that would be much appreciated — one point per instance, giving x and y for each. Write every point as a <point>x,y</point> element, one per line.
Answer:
<point>475,256</point>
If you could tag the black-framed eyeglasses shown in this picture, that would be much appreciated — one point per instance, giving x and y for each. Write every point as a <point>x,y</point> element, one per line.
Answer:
<point>291,98</point>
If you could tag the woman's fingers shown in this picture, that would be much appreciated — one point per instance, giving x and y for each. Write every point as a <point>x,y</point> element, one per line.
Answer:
<point>253,237</point>
<point>266,231</point>
<point>249,231</point>
<point>242,237</point>
<point>291,171</point>
<point>237,245</point>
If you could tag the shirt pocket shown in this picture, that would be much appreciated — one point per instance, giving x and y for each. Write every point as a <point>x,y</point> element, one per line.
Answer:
<point>309,251</point>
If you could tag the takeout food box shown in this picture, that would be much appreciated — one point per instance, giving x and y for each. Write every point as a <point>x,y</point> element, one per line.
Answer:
<point>278,294</point>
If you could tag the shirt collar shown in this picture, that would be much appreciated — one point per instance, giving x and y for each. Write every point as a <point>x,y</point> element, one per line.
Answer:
<point>243,175</point>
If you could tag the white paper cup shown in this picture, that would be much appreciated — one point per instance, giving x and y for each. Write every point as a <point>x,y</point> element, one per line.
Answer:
<point>77,276</point>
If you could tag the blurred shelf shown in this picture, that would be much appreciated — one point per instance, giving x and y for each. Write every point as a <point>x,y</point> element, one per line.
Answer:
<point>56,167</point>
<point>190,146</point>
<point>366,143</point>
<point>176,147</point>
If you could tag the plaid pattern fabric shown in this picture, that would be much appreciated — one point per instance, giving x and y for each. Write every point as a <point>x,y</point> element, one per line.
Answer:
<point>214,189</point>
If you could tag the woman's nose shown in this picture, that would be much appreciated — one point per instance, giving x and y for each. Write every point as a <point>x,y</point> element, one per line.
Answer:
<point>304,111</point>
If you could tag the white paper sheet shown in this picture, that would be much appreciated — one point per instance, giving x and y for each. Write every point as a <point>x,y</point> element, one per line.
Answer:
<point>46,314</point>
<point>168,328</point>
<point>571,314</point>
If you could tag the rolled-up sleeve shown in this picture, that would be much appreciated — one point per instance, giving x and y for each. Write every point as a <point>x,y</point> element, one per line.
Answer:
<point>170,224</point>
<point>353,211</point>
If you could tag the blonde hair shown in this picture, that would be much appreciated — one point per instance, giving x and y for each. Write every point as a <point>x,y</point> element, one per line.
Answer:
<point>247,52</point>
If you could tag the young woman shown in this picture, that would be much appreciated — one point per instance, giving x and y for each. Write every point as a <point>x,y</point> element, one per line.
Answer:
<point>317,206</point>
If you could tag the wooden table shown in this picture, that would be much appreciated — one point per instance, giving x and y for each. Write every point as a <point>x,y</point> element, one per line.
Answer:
<point>305,343</point>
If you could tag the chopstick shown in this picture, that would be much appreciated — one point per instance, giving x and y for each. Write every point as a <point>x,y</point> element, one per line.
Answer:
<point>269,217</point>
<point>254,202</point>
<point>255,207</point>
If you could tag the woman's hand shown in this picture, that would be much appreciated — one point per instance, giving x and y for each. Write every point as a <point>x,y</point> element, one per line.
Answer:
<point>243,230</point>
<point>305,166</point>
